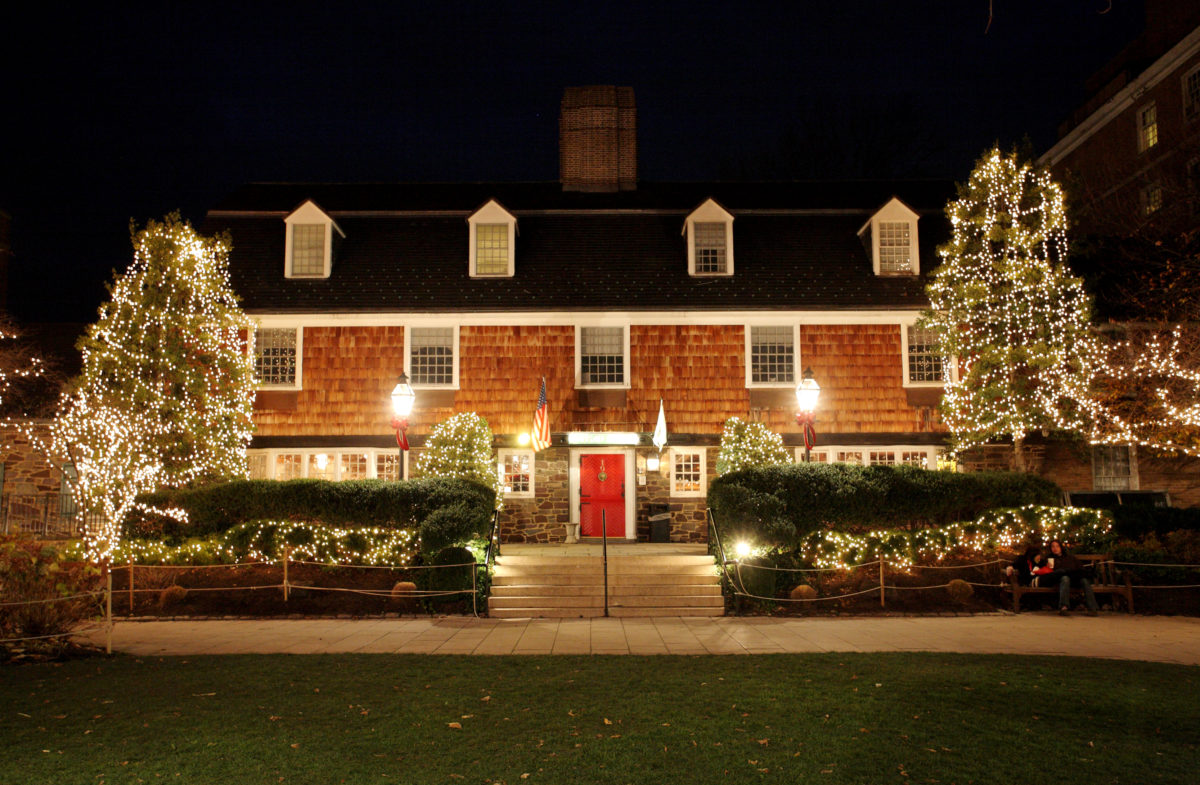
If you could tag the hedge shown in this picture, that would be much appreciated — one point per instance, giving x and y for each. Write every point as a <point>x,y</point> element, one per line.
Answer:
<point>445,511</point>
<point>1136,521</point>
<point>783,505</point>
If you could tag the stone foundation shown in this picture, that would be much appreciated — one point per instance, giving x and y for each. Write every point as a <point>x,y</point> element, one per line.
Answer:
<point>25,470</point>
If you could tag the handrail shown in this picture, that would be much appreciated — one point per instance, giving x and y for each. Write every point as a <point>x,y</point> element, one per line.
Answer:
<point>738,587</point>
<point>493,546</point>
<point>604,554</point>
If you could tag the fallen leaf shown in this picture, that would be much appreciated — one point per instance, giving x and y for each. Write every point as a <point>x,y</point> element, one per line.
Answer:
<point>456,725</point>
<point>607,721</point>
<point>764,742</point>
<point>296,746</point>
<point>525,776</point>
<point>486,698</point>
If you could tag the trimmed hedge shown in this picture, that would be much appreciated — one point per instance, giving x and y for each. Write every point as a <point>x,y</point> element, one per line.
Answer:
<point>783,505</point>
<point>446,511</point>
<point>1136,521</point>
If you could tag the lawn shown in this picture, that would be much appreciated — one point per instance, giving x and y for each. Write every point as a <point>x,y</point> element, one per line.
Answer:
<point>877,718</point>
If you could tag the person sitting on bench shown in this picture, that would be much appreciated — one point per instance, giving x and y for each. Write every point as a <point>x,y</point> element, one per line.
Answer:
<point>1068,571</point>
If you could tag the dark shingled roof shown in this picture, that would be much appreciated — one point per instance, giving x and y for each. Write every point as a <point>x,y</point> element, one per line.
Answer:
<point>795,247</point>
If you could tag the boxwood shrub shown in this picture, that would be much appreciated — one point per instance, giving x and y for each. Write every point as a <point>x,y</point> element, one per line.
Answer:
<point>446,511</point>
<point>782,505</point>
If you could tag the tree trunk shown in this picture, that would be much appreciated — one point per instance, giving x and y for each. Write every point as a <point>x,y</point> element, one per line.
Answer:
<point>1018,461</point>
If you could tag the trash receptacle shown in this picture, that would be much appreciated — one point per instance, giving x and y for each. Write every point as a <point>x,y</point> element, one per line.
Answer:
<point>659,516</point>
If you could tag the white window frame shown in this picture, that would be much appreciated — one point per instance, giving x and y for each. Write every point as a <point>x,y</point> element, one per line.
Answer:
<point>491,213</point>
<point>307,214</point>
<point>500,458</point>
<point>1142,127</point>
<point>709,212</point>
<point>830,452</point>
<point>1191,109</point>
<point>298,384</point>
<point>895,211</point>
<point>579,385</point>
<point>750,383</point>
<point>678,452</point>
<point>408,347</point>
<point>306,456</point>
<point>949,364</point>
<point>1133,467</point>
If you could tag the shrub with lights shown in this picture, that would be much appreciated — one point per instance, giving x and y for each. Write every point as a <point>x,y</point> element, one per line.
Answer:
<point>166,393</point>
<point>461,446</point>
<point>749,445</point>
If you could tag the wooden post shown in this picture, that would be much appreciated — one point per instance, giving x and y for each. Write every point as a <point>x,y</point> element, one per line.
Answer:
<point>474,591</point>
<point>108,625</point>
<point>285,575</point>
<point>881,602</point>
<point>130,585</point>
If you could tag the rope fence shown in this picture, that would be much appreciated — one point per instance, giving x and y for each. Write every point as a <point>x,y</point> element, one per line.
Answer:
<point>105,625</point>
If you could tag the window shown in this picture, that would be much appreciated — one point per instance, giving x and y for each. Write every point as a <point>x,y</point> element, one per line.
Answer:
<point>320,467</point>
<point>848,456</point>
<point>1114,469</point>
<point>276,356</point>
<point>491,249</point>
<point>352,466</point>
<point>308,244</point>
<point>1191,94</point>
<point>688,474</point>
<point>387,465</point>
<point>492,233</point>
<point>322,464</point>
<point>67,508</point>
<point>308,250</point>
<point>890,455</point>
<point>431,358</point>
<point>257,465</point>
<point>710,248</point>
<point>924,360</point>
<point>895,247</point>
<point>709,232</point>
<point>1147,118</point>
<point>918,458</point>
<point>602,356</point>
<point>772,355</point>
<point>1152,196</point>
<point>289,466</point>
<point>882,458</point>
<point>516,472</point>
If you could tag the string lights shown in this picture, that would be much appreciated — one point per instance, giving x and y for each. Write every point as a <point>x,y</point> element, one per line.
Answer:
<point>749,445</point>
<point>461,446</point>
<point>165,396</point>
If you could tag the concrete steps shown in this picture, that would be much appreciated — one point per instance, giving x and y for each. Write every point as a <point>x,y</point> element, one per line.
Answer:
<point>660,584</point>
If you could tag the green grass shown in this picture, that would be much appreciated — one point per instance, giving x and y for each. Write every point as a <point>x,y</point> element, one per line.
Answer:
<point>880,718</point>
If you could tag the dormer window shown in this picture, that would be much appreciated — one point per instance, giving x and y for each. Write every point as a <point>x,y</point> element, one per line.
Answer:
<point>709,232</point>
<point>308,248</point>
<point>492,234</point>
<point>891,237</point>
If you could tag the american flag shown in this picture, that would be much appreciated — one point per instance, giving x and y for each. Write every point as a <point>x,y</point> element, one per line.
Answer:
<point>541,422</point>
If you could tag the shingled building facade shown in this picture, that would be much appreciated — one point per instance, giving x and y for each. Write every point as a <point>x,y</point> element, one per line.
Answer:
<point>711,297</point>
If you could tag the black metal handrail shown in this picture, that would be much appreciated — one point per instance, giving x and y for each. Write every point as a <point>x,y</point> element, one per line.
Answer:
<point>604,553</point>
<point>725,562</point>
<point>493,546</point>
<point>41,514</point>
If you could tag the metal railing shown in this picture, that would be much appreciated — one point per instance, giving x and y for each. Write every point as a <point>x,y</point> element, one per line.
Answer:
<point>47,515</point>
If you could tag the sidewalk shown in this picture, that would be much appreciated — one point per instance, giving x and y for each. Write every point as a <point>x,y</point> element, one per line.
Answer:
<point>1112,636</point>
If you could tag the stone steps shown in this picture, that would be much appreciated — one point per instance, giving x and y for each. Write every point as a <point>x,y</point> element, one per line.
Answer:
<point>663,584</point>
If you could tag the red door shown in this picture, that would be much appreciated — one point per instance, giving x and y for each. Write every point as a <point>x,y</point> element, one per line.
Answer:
<point>602,490</point>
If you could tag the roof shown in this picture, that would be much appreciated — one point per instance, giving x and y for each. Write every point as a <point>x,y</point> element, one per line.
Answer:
<point>405,250</point>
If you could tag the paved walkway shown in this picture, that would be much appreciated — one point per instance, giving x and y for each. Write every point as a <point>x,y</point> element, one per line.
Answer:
<point>1115,636</point>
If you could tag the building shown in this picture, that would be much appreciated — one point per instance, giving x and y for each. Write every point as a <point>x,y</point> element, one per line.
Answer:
<point>711,297</point>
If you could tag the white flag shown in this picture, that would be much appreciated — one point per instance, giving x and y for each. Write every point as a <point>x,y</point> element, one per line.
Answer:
<point>660,430</point>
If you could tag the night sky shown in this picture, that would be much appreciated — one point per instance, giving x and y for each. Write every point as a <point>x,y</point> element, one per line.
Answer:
<point>122,111</point>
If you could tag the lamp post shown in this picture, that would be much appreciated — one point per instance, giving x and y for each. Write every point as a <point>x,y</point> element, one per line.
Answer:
<point>403,399</point>
<point>807,392</point>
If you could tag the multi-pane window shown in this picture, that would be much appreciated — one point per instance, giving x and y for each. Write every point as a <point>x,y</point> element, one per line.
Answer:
<point>308,249</point>
<point>516,472</point>
<point>431,361</point>
<point>1191,94</point>
<point>687,472</point>
<point>1112,469</point>
<point>924,360</point>
<point>289,466</point>
<point>257,464</point>
<point>275,356</point>
<point>491,249</point>
<point>709,239</point>
<point>352,466</point>
<point>602,355</point>
<point>914,458</point>
<point>1147,127</point>
<point>387,466</point>
<point>320,467</point>
<point>895,247</point>
<point>772,355</point>
<point>1152,196</point>
<point>882,458</point>
<point>849,456</point>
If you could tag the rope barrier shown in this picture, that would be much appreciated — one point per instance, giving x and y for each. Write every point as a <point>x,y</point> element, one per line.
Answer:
<point>872,590</point>
<point>382,567</point>
<point>1149,564</point>
<point>1176,586</point>
<point>955,566</point>
<point>798,569</point>
<point>52,599</point>
<point>385,592</point>
<point>192,566</point>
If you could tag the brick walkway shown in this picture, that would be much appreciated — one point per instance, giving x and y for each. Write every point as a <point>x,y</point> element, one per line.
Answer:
<point>1116,636</point>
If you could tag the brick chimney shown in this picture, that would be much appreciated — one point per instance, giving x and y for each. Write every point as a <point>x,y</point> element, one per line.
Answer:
<point>597,139</point>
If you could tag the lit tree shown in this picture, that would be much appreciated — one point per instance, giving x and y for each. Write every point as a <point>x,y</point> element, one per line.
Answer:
<point>18,366</point>
<point>166,393</point>
<point>1005,305</point>
<point>462,447</point>
<point>749,445</point>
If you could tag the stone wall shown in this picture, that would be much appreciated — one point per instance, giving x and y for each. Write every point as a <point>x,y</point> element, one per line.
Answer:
<point>26,470</point>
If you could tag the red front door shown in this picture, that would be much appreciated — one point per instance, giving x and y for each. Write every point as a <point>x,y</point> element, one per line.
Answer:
<point>602,495</point>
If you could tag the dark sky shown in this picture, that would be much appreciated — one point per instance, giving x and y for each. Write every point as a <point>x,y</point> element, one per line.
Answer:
<point>130,111</point>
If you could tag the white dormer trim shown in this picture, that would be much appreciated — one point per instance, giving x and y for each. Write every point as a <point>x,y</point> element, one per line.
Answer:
<point>491,213</point>
<point>708,212</point>
<point>895,211</point>
<point>307,214</point>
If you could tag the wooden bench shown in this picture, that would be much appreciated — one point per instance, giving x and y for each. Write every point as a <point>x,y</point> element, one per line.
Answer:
<point>1104,581</point>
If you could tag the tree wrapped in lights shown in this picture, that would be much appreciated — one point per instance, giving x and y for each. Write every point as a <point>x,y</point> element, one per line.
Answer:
<point>18,366</point>
<point>1005,305</point>
<point>462,447</point>
<point>166,392</point>
<point>749,445</point>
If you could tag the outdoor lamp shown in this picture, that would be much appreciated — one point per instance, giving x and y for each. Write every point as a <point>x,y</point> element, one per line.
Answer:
<point>652,463</point>
<point>403,399</point>
<point>807,393</point>
<point>742,549</point>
